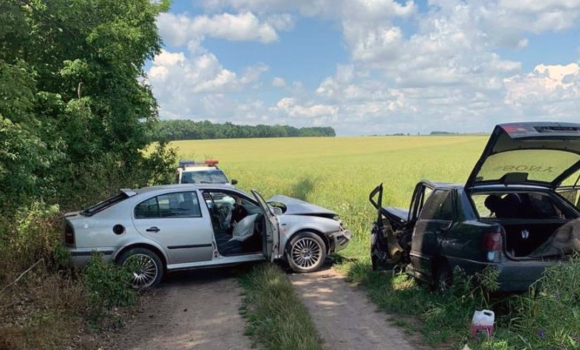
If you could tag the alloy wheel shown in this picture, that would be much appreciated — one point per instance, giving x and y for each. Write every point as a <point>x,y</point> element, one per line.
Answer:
<point>306,252</point>
<point>144,270</point>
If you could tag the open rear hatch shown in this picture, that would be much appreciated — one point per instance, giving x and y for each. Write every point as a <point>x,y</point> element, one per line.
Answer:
<point>543,154</point>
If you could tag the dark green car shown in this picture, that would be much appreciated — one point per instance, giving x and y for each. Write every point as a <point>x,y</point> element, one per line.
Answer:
<point>518,211</point>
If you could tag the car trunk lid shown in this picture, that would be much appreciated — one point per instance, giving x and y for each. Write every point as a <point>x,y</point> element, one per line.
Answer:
<point>541,154</point>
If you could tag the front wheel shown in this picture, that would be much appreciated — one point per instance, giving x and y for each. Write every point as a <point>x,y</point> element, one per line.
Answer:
<point>145,267</point>
<point>306,252</point>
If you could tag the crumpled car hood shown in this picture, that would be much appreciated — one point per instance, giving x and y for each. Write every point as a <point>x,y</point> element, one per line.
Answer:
<point>299,207</point>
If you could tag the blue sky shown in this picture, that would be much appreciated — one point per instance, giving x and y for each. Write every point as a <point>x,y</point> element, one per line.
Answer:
<point>369,66</point>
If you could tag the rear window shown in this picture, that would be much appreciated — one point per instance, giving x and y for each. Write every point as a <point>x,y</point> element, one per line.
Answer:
<point>203,176</point>
<point>92,210</point>
<point>540,164</point>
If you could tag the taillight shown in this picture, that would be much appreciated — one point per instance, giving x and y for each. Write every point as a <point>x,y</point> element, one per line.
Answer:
<point>492,242</point>
<point>69,234</point>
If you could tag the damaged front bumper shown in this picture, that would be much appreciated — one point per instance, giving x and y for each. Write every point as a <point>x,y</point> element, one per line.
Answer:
<point>340,240</point>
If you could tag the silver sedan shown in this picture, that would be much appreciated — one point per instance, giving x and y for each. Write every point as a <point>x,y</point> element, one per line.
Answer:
<point>161,229</point>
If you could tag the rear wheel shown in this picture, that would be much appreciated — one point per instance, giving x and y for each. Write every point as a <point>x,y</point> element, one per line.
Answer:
<point>145,266</point>
<point>443,278</point>
<point>306,252</point>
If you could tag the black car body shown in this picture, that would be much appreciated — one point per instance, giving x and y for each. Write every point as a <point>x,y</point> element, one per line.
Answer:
<point>518,211</point>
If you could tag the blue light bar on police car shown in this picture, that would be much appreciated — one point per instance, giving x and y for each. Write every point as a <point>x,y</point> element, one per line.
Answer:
<point>208,162</point>
<point>186,163</point>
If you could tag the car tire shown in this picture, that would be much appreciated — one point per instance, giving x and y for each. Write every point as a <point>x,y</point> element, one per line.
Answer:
<point>443,278</point>
<point>149,265</point>
<point>306,252</point>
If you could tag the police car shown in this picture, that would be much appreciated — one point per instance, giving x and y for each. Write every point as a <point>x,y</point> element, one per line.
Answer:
<point>201,172</point>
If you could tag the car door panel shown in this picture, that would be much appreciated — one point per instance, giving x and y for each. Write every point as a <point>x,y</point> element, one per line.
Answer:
<point>186,237</point>
<point>426,243</point>
<point>271,245</point>
<point>434,223</point>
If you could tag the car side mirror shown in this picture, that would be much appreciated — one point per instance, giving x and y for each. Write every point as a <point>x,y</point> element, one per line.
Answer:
<point>277,211</point>
<point>234,182</point>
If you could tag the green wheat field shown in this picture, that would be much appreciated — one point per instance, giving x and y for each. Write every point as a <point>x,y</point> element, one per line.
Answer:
<point>338,173</point>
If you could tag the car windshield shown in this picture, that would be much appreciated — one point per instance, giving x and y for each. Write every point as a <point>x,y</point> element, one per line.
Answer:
<point>92,210</point>
<point>541,165</point>
<point>204,176</point>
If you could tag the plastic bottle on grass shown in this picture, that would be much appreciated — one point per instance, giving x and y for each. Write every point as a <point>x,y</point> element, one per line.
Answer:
<point>482,322</point>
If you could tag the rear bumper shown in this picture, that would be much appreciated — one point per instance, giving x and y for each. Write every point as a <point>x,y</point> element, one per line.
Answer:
<point>340,240</point>
<point>514,276</point>
<point>81,256</point>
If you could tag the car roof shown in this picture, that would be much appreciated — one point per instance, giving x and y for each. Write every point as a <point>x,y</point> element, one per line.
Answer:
<point>179,186</point>
<point>441,184</point>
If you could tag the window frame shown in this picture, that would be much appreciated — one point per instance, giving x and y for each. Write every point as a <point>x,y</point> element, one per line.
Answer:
<point>448,197</point>
<point>156,197</point>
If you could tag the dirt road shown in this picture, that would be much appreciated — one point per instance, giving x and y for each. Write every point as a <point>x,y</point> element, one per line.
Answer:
<point>199,310</point>
<point>344,317</point>
<point>195,310</point>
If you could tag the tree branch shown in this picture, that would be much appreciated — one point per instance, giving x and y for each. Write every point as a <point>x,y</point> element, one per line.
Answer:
<point>21,275</point>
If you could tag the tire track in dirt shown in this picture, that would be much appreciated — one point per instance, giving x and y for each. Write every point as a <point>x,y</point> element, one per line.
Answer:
<point>194,310</point>
<point>344,317</point>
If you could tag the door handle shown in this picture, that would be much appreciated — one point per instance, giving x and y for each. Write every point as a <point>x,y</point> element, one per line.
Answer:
<point>153,229</point>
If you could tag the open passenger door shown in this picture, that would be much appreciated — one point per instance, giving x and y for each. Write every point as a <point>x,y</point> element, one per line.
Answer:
<point>386,251</point>
<point>270,238</point>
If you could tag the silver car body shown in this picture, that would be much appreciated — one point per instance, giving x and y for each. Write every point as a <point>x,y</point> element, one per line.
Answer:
<point>190,242</point>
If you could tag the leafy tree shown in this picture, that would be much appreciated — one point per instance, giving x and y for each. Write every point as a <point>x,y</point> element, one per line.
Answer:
<point>73,97</point>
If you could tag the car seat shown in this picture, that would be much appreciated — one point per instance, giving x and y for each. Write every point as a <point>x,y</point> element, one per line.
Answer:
<point>493,203</point>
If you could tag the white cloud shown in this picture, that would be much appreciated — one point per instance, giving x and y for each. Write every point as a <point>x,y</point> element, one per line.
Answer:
<point>197,85</point>
<point>555,83</point>
<point>278,82</point>
<point>199,74</point>
<point>534,6</point>
<point>294,109</point>
<point>446,73</point>
<point>177,30</point>
<point>361,9</point>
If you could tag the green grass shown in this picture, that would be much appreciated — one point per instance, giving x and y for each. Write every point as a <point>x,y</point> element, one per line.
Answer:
<point>339,173</point>
<point>277,319</point>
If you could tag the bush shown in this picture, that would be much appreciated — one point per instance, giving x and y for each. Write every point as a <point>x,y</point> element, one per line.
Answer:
<point>108,286</point>
<point>32,235</point>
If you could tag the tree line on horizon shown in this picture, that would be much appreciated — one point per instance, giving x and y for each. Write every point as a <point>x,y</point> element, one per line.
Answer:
<point>172,130</point>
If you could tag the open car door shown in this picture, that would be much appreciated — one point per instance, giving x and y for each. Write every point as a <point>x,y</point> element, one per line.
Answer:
<point>392,231</point>
<point>271,238</point>
<point>386,251</point>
